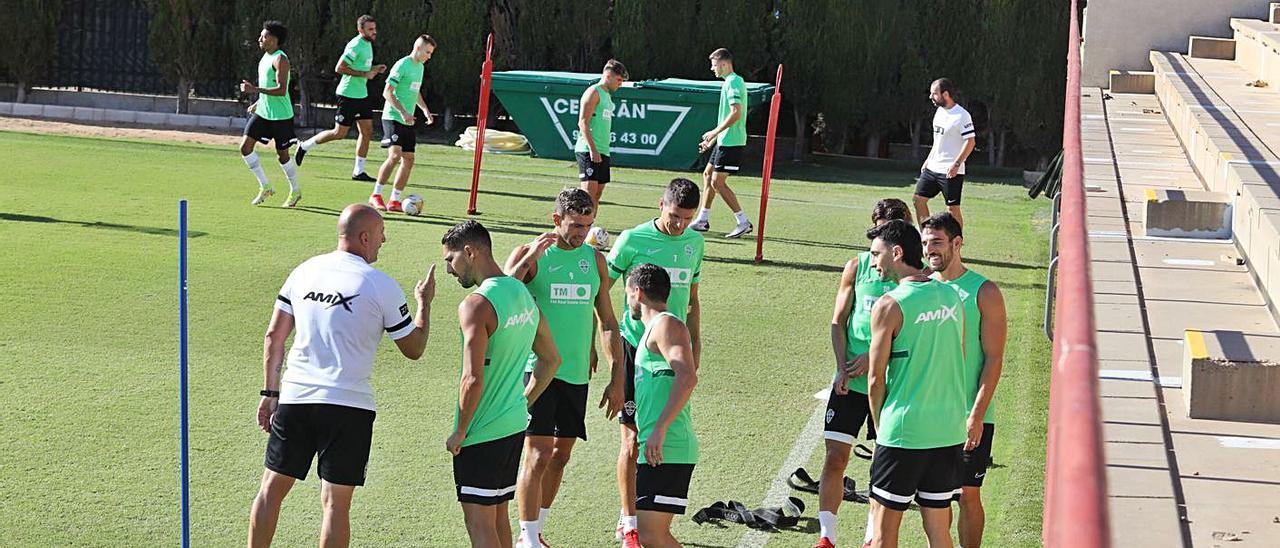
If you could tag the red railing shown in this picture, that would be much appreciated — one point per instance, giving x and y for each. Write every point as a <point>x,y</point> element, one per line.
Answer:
<point>1075,506</point>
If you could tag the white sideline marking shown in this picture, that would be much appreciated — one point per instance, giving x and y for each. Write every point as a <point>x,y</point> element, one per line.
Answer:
<point>1236,442</point>
<point>1189,262</point>
<point>823,394</point>
<point>799,454</point>
<point>1127,375</point>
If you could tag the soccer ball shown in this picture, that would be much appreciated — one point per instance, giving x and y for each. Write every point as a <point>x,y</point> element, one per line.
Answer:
<point>598,238</point>
<point>412,205</point>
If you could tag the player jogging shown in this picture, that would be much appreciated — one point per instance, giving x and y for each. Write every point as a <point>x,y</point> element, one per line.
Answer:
<point>917,390</point>
<point>665,242</point>
<point>666,373</point>
<point>271,116</point>
<point>847,406</point>
<point>565,281</point>
<point>595,130</point>
<point>953,140</point>
<point>338,306</point>
<point>354,104</point>
<point>729,139</point>
<point>402,93</point>
<point>985,332</point>
<point>500,322</point>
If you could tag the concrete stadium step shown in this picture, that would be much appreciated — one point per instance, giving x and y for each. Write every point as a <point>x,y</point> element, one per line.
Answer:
<point>1231,375</point>
<point>1258,48</point>
<point>1172,480</point>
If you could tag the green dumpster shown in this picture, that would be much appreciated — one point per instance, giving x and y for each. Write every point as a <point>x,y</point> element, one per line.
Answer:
<point>656,123</point>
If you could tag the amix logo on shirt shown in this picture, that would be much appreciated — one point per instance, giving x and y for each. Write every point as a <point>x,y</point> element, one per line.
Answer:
<point>570,293</point>
<point>522,318</point>
<point>333,300</point>
<point>679,276</point>
<point>943,313</point>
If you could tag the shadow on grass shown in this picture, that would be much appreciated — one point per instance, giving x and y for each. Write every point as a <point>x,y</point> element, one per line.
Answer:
<point>151,230</point>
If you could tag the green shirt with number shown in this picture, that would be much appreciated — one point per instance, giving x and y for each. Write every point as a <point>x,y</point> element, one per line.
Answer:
<point>601,124</point>
<point>358,55</point>
<point>733,92</point>
<point>680,256</point>
<point>565,287</point>
<point>406,82</point>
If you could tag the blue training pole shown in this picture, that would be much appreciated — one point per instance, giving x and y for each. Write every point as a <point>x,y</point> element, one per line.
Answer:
<point>184,446</point>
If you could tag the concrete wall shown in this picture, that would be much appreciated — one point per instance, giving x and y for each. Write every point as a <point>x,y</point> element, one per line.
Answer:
<point>1118,34</point>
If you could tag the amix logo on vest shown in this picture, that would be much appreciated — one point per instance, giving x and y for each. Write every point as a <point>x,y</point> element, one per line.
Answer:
<point>522,318</point>
<point>333,300</point>
<point>943,313</point>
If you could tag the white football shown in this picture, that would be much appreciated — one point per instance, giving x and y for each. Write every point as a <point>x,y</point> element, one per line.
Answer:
<point>412,205</point>
<point>598,238</point>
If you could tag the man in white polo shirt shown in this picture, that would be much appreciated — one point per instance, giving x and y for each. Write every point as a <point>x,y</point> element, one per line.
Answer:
<point>953,140</point>
<point>339,306</point>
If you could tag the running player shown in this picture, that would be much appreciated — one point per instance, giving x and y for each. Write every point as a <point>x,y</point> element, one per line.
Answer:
<point>595,130</point>
<point>354,104</point>
<point>729,139</point>
<point>917,387</point>
<point>953,140</point>
<point>402,92</point>
<point>565,281</point>
<point>340,306</point>
<point>847,407</point>
<point>500,322</point>
<point>985,331</point>
<point>666,373</point>
<point>663,241</point>
<point>271,116</point>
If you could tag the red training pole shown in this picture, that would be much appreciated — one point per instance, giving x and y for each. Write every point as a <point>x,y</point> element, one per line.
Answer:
<point>768,162</point>
<point>482,117</point>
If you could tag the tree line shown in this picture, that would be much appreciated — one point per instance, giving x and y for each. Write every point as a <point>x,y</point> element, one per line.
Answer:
<point>858,69</point>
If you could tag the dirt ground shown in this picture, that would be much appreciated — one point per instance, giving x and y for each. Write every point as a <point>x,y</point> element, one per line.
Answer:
<point>120,131</point>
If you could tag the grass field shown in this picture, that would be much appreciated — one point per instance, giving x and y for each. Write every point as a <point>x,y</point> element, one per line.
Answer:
<point>88,342</point>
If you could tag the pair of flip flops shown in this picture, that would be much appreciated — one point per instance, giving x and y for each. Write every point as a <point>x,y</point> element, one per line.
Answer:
<point>800,480</point>
<point>768,519</point>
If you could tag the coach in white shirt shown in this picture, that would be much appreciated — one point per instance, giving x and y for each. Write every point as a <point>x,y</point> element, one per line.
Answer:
<point>340,307</point>
<point>953,140</point>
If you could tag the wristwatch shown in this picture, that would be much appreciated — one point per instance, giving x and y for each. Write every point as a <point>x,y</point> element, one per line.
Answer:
<point>270,393</point>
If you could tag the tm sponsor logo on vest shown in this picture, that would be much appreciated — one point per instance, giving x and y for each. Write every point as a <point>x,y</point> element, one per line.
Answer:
<point>564,114</point>
<point>680,277</point>
<point>522,318</point>
<point>942,314</point>
<point>570,293</point>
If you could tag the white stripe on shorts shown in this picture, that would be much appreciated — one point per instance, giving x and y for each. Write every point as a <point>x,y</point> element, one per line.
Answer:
<point>937,496</point>
<point>479,492</point>
<point>729,168</point>
<point>838,436</point>
<point>890,496</point>
<point>670,501</point>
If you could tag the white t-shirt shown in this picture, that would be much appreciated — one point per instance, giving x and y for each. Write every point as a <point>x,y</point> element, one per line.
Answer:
<point>341,306</point>
<point>951,129</point>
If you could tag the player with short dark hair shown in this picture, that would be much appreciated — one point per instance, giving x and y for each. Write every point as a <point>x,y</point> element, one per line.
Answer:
<point>953,140</point>
<point>729,139</point>
<point>271,116</point>
<point>595,130</point>
<point>402,92</point>
<point>354,104</point>
<point>986,330</point>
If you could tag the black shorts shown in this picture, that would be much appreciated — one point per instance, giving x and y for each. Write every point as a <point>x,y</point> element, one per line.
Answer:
<point>342,436</point>
<point>592,171</point>
<point>930,476</point>
<point>976,461</point>
<point>663,488</point>
<point>930,184</point>
<point>263,131</point>
<point>561,410</point>
<point>350,110</point>
<point>396,134</point>
<point>845,416</point>
<point>727,159</point>
<point>485,473</point>
<point>628,414</point>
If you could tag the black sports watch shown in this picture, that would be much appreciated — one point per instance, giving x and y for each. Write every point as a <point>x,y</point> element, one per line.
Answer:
<point>270,393</point>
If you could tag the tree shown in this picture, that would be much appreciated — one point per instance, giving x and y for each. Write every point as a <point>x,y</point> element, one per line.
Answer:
<point>803,29</point>
<point>307,50</point>
<point>655,39</point>
<point>742,26</point>
<point>28,40</point>
<point>459,28</point>
<point>560,34</point>
<point>187,42</point>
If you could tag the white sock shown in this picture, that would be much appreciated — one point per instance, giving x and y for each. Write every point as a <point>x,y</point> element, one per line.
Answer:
<point>377,189</point>
<point>741,216</point>
<point>395,195</point>
<point>306,145</point>
<point>529,533</point>
<point>703,215</point>
<point>359,167</point>
<point>629,523</point>
<point>542,518</point>
<point>871,527</point>
<point>827,521</point>
<point>255,165</point>
<point>291,172</point>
